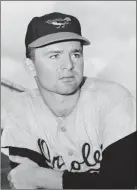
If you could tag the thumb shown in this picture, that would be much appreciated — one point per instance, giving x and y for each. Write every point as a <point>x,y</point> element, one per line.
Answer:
<point>20,160</point>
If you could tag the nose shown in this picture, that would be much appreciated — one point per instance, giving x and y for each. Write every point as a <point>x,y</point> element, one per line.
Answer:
<point>67,63</point>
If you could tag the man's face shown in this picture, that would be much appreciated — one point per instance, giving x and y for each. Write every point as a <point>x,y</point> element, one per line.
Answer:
<point>59,67</point>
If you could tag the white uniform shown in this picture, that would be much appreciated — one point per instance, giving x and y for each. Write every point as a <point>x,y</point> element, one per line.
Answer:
<point>105,113</point>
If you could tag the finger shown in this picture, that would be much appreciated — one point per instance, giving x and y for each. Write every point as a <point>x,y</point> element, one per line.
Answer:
<point>17,159</point>
<point>23,186</point>
<point>20,160</point>
<point>11,185</point>
<point>9,177</point>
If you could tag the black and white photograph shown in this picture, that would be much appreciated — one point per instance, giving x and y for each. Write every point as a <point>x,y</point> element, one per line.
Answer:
<point>68,95</point>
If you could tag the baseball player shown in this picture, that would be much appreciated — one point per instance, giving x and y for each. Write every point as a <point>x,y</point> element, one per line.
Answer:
<point>72,131</point>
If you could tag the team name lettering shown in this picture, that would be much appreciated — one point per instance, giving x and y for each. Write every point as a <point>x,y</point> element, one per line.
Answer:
<point>57,161</point>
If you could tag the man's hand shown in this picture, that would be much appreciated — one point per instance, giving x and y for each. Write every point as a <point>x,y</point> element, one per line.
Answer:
<point>24,175</point>
<point>28,175</point>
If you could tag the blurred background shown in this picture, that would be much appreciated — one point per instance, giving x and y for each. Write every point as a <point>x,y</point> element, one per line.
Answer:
<point>109,25</point>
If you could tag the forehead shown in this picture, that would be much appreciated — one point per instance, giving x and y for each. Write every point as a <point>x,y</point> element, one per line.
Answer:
<point>67,45</point>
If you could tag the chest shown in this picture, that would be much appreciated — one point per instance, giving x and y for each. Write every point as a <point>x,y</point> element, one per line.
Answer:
<point>71,144</point>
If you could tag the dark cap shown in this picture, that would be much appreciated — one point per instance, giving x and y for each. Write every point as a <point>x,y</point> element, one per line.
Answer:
<point>52,28</point>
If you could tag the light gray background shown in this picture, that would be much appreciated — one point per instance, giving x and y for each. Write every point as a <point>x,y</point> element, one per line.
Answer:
<point>109,25</point>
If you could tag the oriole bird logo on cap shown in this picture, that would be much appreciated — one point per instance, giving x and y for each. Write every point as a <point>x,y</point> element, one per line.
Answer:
<point>59,22</point>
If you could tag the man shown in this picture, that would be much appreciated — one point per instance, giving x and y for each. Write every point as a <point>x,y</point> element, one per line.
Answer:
<point>73,131</point>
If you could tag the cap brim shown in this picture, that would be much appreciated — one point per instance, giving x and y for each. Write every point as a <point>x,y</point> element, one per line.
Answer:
<point>57,37</point>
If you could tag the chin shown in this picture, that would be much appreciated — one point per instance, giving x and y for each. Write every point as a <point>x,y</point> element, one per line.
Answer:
<point>67,90</point>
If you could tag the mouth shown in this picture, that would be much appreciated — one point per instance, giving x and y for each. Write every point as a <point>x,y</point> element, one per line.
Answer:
<point>67,78</point>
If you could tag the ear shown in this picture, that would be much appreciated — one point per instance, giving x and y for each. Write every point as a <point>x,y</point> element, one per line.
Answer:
<point>30,67</point>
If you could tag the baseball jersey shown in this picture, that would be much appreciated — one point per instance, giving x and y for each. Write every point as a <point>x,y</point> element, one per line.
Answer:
<point>105,113</point>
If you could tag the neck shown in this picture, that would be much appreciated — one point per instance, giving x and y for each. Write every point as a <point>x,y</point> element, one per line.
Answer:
<point>60,105</point>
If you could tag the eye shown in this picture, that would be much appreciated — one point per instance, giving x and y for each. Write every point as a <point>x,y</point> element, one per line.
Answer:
<point>76,55</point>
<point>55,56</point>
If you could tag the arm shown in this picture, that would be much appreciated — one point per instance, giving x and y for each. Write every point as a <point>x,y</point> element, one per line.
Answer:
<point>29,175</point>
<point>119,157</point>
<point>17,140</point>
<point>118,168</point>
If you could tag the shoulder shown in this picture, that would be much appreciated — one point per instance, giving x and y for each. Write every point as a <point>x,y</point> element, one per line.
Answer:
<point>20,110</point>
<point>105,92</point>
<point>19,122</point>
<point>19,118</point>
<point>115,107</point>
<point>21,102</point>
<point>18,103</point>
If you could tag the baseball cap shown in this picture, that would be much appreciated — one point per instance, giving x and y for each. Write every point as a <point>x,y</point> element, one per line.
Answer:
<point>52,28</point>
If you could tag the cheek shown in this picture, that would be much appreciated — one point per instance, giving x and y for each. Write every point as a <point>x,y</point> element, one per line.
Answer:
<point>79,67</point>
<point>46,71</point>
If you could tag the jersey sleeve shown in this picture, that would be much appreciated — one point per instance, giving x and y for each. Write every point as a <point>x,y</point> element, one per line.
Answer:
<point>18,140</point>
<point>119,121</point>
<point>17,134</point>
<point>119,155</point>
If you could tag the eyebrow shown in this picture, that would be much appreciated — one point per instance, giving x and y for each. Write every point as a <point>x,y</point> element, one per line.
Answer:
<point>76,51</point>
<point>61,51</point>
<point>53,51</point>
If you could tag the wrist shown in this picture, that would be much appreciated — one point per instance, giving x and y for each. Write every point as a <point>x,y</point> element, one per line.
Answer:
<point>41,174</point>
<point>59,181</point>
<point>47,178</point>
